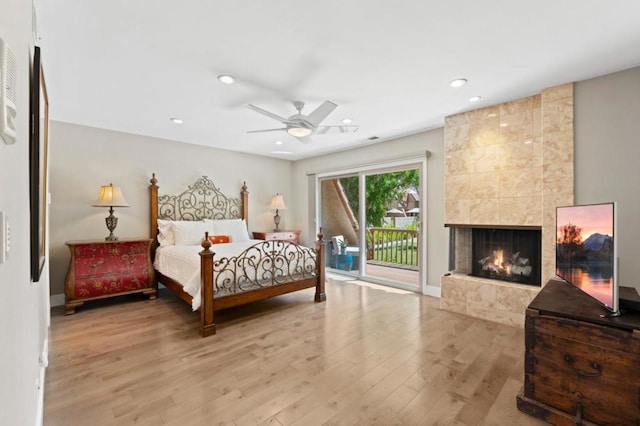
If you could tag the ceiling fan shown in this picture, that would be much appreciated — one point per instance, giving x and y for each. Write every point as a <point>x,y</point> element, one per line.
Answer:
<point>301,126</point>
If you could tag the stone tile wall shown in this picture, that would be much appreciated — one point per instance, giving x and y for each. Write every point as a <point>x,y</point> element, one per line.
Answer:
<point>492,300</point>
<point>557,166</point>
<point>494,164</point>
<point>509,164</point>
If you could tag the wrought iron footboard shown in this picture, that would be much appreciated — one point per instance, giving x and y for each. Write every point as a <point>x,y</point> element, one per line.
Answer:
<point>264,264</point>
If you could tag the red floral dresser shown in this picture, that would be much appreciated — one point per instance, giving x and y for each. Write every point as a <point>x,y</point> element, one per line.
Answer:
<point>100,269</point>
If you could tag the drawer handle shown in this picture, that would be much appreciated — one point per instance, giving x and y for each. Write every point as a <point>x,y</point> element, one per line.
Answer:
<point>569,359</point>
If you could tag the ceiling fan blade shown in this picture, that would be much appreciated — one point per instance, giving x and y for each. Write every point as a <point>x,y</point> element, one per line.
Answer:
<point>321,130</point>
<point>267,113</point>
<point>319,114</point>
<point>267,130</point>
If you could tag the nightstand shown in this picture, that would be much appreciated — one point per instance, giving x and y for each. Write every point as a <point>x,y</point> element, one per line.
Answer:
<point>101,269</point>
<point>291,236</point>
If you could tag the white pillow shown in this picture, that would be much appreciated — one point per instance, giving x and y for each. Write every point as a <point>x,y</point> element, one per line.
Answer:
<point>188,233</point>
<point>236,229</point>
<point>165,233</point>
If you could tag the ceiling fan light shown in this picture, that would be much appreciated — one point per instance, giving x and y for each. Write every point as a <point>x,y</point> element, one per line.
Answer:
<point>299,132</point>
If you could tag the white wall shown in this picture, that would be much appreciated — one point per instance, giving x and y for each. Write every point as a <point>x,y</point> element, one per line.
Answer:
<point>84,158</point>
<point>24,313</point>
<point>607,155</point>
<point>433,141</point>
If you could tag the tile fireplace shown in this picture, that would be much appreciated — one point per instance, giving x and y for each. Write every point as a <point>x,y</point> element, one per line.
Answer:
<point>495,271</point>
<point>507,167</point>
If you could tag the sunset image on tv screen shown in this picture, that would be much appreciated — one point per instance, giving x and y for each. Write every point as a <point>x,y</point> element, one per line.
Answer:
<point>584,249</point>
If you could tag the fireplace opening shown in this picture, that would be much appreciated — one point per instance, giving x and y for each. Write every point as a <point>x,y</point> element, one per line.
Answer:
<point>512,255</point>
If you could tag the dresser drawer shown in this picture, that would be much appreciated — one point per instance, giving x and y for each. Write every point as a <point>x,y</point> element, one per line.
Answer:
<point>291,236</point>
<point>110,284</point>
<point>581,331</point>
<point>95,250</point>
<point>281,236</point>
<point>127,263</point>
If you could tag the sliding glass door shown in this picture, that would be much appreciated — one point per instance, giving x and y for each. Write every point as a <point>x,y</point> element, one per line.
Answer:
<point>371,219</point>
<point>392,205</point>
<point>340,226</point>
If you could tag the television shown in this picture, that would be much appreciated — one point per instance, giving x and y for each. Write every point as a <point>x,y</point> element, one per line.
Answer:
<point>586,251</point>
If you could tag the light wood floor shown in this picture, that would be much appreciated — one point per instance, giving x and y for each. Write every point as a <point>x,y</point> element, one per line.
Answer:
<point>369,355</point>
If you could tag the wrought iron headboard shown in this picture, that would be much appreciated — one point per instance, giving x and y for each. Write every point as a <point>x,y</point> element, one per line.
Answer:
<point>201,200</point>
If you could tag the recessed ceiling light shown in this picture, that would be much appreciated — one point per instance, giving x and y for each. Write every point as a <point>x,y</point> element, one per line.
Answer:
<point>282,152</point>
<point>458,82</point>
<point>504,124</point>
<point>226,79</point>
<point>279,142</point>
<point>475,98</point>
<point>176,120</point>
<point>528,142</point>
<point>347,121</point>
<point>493,114</point>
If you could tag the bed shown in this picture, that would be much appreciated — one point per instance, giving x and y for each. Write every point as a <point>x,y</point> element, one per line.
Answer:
<point>222,267</point>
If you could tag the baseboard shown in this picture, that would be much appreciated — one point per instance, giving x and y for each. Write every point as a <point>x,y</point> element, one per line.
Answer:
<point>432,290</point>
<point>57,300</point>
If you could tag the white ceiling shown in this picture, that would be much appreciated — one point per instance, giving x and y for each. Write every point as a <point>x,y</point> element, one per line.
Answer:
<point>131,65</point>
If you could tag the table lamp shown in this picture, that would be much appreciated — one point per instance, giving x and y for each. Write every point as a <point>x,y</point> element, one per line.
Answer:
<point>277,203</point>
<point>111,196</point>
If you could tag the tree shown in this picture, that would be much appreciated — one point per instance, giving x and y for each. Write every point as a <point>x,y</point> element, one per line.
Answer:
<point>570,234</point>
<point>382,190</point>
<point>569,239</point>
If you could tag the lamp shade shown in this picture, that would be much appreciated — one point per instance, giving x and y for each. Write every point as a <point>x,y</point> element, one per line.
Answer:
<point>277,202</point>
<point>110,196</point>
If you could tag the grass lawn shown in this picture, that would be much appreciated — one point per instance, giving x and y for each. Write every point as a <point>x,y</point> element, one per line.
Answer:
<point>402,255</point>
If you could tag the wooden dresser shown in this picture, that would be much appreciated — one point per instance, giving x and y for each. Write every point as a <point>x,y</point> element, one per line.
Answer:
<point>100,269</point>
<point>580,368</point>
<point>291,236</point>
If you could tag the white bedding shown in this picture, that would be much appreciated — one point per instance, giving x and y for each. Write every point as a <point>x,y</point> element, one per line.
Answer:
<point>182,263</point>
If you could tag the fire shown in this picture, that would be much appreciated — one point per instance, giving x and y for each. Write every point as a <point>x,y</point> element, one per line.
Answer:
<point>498,258</point>
<point>499,263</point>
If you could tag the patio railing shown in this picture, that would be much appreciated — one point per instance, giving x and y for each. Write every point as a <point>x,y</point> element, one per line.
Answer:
<point>393,246</point>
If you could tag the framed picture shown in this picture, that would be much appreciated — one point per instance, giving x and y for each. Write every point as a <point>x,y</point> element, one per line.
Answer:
<point>38,150</point>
